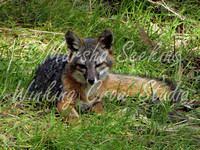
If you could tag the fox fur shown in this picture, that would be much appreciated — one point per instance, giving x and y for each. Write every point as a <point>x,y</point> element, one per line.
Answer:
<point>83,77</point>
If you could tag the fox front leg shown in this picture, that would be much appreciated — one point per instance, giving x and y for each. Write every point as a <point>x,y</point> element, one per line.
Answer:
<point>67,109</point>
<point>97,107</point>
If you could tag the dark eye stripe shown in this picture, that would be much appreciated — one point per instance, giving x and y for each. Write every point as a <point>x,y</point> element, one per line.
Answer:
<point>82,66</point>
<point>100,64</point>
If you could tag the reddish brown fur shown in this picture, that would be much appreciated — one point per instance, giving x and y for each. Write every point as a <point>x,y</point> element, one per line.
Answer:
<point>114,83</point>
<point>118,83</point>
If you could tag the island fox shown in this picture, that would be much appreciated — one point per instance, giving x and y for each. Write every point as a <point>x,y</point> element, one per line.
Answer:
<point>82,78</point>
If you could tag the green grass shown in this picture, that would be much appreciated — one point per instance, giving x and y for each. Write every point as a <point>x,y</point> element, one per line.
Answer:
<point>144,125</point>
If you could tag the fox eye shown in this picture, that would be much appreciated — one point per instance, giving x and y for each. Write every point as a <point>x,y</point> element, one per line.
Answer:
<point>100,64</point>
<point>82,66</point>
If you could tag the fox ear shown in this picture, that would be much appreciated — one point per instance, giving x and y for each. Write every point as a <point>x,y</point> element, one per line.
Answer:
<point>105,40</point>
<point>73,41</point>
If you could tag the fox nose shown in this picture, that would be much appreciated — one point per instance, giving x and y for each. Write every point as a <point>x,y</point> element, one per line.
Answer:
<point>91,80</point>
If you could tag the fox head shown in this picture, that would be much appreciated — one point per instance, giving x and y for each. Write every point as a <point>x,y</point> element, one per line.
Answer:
<point>89,60</point>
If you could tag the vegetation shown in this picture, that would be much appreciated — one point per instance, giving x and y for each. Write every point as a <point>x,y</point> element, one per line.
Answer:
<point>33,29</point>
